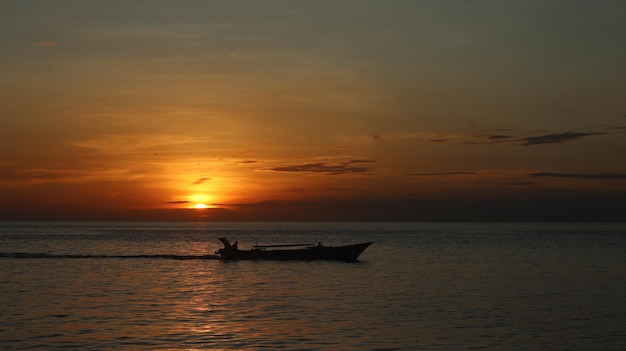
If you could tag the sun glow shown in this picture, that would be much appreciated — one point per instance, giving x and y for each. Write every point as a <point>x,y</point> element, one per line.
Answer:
<point>200,201</point>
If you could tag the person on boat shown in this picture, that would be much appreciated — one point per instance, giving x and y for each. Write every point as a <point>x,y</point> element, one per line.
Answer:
<point>234,246</point>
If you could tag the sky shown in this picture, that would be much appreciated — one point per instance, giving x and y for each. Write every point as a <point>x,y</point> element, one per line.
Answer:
<point>288,110</point>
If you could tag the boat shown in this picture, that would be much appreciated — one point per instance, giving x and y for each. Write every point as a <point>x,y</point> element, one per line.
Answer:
<point>291,252</point>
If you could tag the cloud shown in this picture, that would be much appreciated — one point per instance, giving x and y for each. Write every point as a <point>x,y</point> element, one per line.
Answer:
<point>324,168</point>
<point>484,137</point>
<point>441,174</point>
<point>179,202</point>
<point>498,137</point>
<point>554,138</point>
<point>490,139</point>
<point>597,176</point>
<point>519,183</point>
<point>46,43</point>
<point>248,204</point>
<point>63,175</point>
<point>200,181</point>
<point>358,161</point>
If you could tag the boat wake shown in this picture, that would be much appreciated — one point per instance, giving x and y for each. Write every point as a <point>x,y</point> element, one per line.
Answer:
<point>23,255</point>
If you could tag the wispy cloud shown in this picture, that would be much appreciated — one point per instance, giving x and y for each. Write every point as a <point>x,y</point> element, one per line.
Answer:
<point>484,137</point>
<point>519,183</point>
<point>617,127</point>
<point>597,176</point>
<point>64,175</point>
<point>498,137</point>
<point>325,168</point>
<point>358,161</point>
<point>248,204</point>
<point>555,138</point>
<point>441,174</point>
<point>200,181</point>
<point>495,136</point>
<point>489,139</point>
<point>179,202</point>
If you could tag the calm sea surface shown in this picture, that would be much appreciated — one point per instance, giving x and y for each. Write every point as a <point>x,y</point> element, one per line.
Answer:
<point>144,286</point>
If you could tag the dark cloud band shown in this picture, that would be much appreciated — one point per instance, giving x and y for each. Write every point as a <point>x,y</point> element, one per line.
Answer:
<point>555,138</point>
<point>598,176</point>
<point>325,168</point>
<point>441,174</point>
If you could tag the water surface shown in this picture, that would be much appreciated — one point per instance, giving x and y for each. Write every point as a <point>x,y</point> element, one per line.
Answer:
<point>435,286</point>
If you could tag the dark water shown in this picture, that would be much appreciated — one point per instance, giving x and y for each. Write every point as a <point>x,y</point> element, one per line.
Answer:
<point>147,286</point>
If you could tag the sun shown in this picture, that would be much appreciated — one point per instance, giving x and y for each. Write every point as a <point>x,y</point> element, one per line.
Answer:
<point>199,201</point>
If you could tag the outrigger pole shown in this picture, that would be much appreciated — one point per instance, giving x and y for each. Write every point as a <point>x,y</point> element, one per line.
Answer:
<point>284,245</point>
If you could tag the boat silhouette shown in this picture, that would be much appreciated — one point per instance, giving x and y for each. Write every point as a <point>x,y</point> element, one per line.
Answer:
<point>291,252</point>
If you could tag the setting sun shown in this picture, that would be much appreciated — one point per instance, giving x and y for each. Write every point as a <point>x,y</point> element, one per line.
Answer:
<point>201,206</point>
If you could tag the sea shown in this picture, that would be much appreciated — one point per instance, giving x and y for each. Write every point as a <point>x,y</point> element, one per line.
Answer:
<point>420,286</point>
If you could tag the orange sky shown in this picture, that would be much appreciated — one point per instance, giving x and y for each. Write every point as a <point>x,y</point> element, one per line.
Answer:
<point>325,110</point>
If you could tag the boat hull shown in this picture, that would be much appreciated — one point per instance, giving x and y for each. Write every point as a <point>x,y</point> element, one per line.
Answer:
<point>339,253</point>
